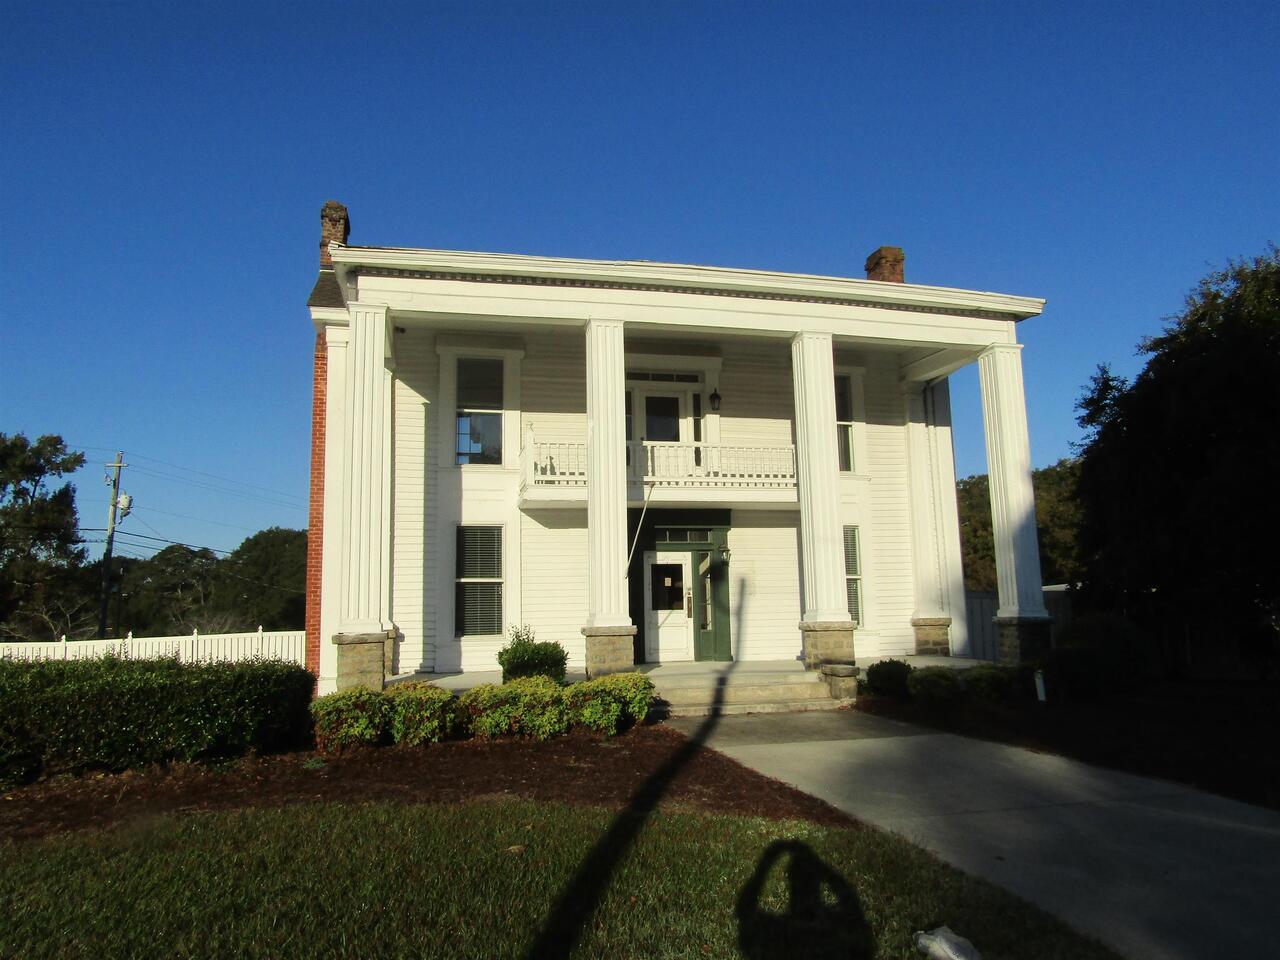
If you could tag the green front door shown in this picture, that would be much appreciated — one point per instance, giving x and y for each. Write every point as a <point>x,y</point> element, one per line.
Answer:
<point>710,607</point>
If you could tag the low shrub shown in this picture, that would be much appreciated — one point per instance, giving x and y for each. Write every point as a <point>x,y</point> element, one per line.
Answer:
<point>525,707</point>
<point>633,690</point>
<point>990,682</point>
<point>935,686</point>
<point>525,657</point>
<point>888,678</point>
<point>61,716</point>
<point>593,705</point>
<point>422,713</point>
<point>350,718</point>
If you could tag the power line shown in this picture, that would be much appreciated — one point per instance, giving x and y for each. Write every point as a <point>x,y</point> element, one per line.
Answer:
<point>203,485</point>
<point>177,543</point>
<point>185,516</point>
<point>203,473</point>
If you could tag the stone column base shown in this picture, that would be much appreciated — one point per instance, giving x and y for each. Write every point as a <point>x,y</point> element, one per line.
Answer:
<point>826,640</point>
<point>933,636</point>
<point>610,650</point>
<point>363,659</point>
<point>1022,639</point>
<point>841,679</point>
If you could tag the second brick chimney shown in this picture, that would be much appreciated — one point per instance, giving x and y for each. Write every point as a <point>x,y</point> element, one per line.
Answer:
<point>335,225</point>
<point>886,264</point>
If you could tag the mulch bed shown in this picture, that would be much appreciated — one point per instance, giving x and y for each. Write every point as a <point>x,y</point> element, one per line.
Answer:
<point>1213,735</point>
<point>579,768</point>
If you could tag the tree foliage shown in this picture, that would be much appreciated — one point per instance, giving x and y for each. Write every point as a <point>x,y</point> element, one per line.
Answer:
<point>40,546</point>
<point>1178,469</point>
<point>1057,525</point>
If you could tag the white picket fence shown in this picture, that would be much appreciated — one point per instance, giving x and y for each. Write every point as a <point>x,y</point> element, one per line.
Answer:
<point>287,645</point>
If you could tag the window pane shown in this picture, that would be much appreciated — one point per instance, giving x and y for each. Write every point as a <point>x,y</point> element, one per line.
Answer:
<point>852,567</point>
<point>479,437</point>
<point>844,447</point>
<point>854,588</point>
<point>477,609</point>
<point>662,419</point>
<point>479,384</point>
<point>666,586</point>
<point>844,400</point>
<point>480,552</point>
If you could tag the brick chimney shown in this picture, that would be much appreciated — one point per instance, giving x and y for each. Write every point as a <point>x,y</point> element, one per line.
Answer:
<point>886,264</point>
<point>334,225</point>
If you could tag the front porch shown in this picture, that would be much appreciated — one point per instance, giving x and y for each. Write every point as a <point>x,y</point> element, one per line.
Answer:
<point>701,688</point>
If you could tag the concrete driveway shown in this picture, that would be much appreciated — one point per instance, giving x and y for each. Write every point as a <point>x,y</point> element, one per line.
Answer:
<point>1155,869</point>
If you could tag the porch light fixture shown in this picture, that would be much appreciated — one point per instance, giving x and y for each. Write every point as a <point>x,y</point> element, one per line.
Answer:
<point>715,401</point>
<point>724,553</point>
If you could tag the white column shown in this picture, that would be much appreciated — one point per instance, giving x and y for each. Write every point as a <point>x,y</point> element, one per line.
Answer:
<point>818,468</point>
<point>1013,505</point>
<point>365,477</point>
<point>937,399</point>
<point>926,558</point>
<point>606,476</point>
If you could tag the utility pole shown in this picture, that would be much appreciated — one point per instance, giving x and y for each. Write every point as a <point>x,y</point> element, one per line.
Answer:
<point>114,480</point>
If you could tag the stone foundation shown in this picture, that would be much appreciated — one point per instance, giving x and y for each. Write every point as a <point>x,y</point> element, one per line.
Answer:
<point>841,679</point>
<point>364,659</point>
<point>1022,640</point>
<point>826,640</point>
<point>609,650</point>
<point>933,635</point>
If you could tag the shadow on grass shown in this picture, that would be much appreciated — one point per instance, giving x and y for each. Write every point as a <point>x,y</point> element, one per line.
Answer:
<point>582,895</point>
<point>824,917</point>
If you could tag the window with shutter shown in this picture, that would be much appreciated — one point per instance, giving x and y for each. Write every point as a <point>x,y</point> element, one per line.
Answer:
<point>478,589</point>
<point>853,574</point>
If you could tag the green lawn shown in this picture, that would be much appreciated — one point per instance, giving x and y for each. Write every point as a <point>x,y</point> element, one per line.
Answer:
<point>480,880</point>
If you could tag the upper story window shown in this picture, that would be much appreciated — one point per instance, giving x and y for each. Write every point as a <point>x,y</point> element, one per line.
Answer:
<point>844,421</point>
<point>479,420</point>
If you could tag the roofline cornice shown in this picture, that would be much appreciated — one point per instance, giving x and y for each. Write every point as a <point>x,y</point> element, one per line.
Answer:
<point>461,265</point>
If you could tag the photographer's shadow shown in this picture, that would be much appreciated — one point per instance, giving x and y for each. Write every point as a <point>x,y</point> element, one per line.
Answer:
<point>823,917</point>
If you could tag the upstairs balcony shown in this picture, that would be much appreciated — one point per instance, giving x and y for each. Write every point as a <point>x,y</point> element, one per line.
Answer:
<point>668,472</point>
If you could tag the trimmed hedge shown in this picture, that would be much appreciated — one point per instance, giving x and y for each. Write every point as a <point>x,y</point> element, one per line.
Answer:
<point>526,707</point>
<point>633,690</point>
<point>990,682</point>
<point>358,717</point>
<point>888,678</point>
<point>67,716</point>
<point>422,713</point>
<point>935,686</point>
<point>525,657</point>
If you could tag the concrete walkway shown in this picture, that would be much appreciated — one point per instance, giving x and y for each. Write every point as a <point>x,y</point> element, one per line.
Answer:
<point>1154,869</point>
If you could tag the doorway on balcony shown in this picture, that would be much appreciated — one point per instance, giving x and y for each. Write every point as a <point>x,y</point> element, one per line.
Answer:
<point>679,581</point>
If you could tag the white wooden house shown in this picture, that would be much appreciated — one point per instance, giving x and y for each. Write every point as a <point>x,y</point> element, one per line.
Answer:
<point>651,462</point>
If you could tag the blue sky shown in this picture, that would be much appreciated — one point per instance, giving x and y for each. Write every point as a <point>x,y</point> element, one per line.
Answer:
<point>163,167</point>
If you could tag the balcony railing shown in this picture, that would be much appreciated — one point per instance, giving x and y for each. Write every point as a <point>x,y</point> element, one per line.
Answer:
<point>700,465</point>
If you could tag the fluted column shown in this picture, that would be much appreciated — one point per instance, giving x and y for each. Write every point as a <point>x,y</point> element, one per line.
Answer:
<point>365,479</point>
<point>1021,613</point>
<point>826,629</point>
<point>930,619</point>
<point>606,476</point>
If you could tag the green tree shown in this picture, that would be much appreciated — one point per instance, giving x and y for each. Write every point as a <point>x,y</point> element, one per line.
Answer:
<point>263,581</point>
<point>1057,526</point>
<point>41,593</point>
<point>1179,518</point>
<point>170,593</point>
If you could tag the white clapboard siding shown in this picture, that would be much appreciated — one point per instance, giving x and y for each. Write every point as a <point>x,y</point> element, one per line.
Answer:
<point>756,399</point>
<point>553,589</point>
<point>415,453</point>
<point>887,567</point>
<point>764,585</point>
<point>553,388</point>
<point>287,645</point>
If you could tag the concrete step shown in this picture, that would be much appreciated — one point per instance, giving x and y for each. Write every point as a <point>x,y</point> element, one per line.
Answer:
<point>787,690</point>
<point>734,707</point>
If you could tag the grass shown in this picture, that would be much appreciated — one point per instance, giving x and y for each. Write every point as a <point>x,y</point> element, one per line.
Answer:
<point>478,880</point>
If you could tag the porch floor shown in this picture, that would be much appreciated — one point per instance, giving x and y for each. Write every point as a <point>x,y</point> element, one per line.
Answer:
<point>695,673</point>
